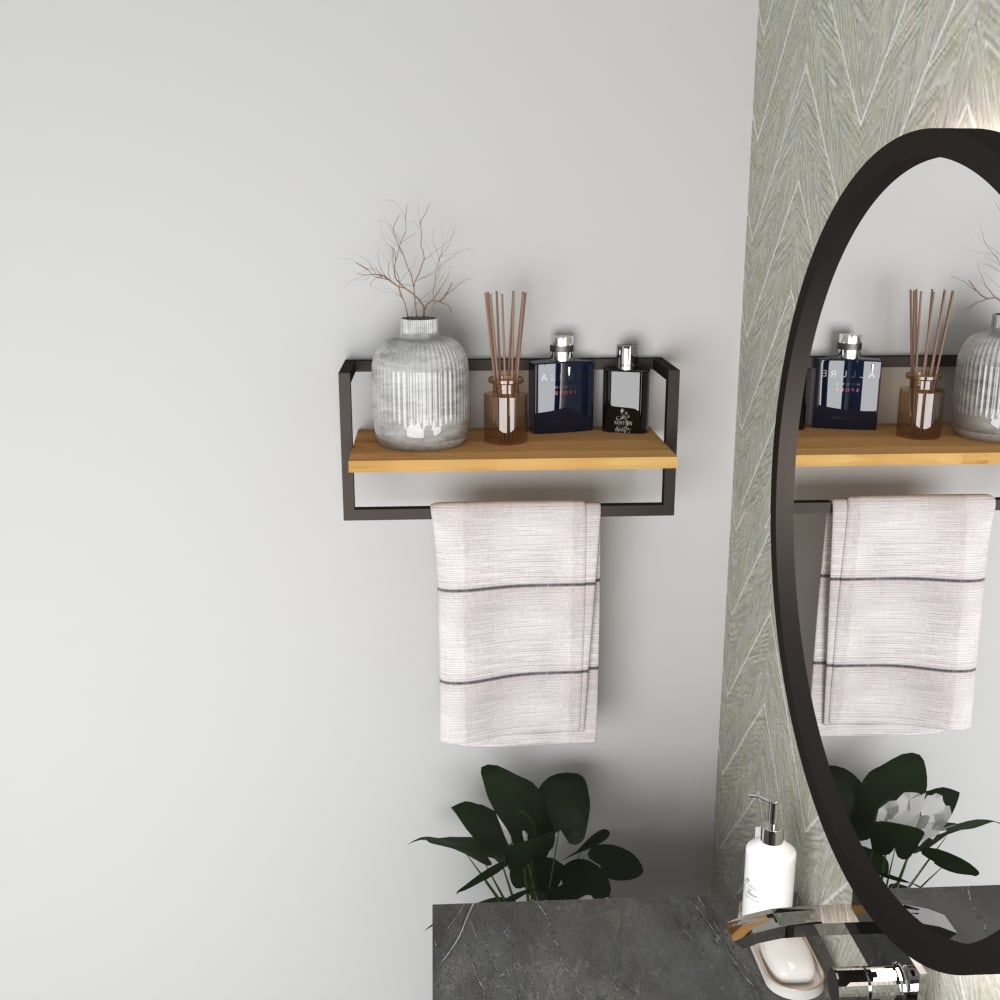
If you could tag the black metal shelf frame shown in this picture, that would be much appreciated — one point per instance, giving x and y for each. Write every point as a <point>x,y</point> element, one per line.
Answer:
<point>352,512</point>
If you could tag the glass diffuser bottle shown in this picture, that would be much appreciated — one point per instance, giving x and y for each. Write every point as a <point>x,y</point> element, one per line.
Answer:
<point>505,412</point>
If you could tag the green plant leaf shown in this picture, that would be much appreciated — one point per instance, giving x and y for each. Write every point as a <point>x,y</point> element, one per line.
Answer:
<point>949,862</point>
<point>517,802</point>
<point>546,873</point>
<point>482,823</point>
<point>889,837</point>
<point>966,824</point>
<point>484,875</point>
<point>567,802</point>
<point>522,853</point>
<point>527,854</point>
<point>616,862</point>
<point>848,785</point>
<point>592,840</point>
<point>905,773</point>
<point>466,845</point>
<point>581,878</point>
<point>881,863</point>
<point>950,828</point>
<point>949,795</point>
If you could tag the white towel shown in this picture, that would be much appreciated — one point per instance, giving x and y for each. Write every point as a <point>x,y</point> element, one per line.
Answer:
<point>900,605</point>
<point>518,621</point>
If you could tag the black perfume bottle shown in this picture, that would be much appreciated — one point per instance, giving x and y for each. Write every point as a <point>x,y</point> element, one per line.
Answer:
<point>561,390</point>
<point>845,392</point>
<point>625,394</point>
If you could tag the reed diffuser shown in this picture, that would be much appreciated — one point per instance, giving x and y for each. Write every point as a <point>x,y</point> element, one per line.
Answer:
<point>505,418</point>
<point>921,402</point>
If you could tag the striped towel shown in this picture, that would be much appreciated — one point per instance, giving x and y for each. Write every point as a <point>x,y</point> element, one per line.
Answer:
<point>900,604</point>
<point>518,617</point>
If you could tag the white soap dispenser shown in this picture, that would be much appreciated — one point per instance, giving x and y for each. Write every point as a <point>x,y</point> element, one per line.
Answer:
<point>769,866</point>
<point>789,966</point>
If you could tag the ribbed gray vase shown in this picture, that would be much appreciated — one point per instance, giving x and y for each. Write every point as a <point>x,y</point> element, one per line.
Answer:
<point>977,385</point>
<point>420,389</point>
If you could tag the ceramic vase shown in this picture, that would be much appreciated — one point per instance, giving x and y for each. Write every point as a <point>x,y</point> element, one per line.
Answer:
<point>420,389</point>
<point>977,385</point>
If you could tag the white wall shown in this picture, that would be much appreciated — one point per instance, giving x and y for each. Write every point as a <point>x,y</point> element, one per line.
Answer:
<point>926,231</point>
<point>218,727</point>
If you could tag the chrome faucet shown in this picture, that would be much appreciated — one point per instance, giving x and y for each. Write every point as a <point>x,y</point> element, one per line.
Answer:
<point>900,979</point>
<point>817,921</point>
<point>866,982</point>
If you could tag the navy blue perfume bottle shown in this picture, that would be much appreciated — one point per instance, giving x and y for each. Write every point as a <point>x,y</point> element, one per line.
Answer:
<point>845,391</point>
<point>561,390</point>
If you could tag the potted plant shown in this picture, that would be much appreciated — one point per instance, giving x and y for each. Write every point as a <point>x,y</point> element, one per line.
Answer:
<point>514,843</point>
<point>900,822</point>
<point>420,379</point>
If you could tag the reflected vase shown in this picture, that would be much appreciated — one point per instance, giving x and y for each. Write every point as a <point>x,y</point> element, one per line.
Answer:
<point>977,385</point>
<point>420,389</point>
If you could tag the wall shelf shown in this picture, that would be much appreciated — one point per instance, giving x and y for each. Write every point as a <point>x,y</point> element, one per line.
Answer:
<point>581,450</point>
<point>820,447</point>
<point>827,448</point>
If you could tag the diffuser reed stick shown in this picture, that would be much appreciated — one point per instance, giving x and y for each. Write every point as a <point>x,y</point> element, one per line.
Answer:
<point>506,331</point>
<point>929,366</point>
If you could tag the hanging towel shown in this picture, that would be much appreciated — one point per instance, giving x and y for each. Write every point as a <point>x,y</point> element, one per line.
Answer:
<point>518,621</point>
<point>900,603</point>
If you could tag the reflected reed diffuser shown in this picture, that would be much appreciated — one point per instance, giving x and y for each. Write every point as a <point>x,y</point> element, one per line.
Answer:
<point>921,402</point>
<point>505,410</point>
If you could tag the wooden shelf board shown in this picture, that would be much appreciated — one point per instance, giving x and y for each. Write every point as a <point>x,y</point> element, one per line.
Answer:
<point>820,447</point>
<point>593,449</point>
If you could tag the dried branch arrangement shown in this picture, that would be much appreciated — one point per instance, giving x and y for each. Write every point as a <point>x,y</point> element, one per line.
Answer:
<point>505,345</point>
<point>414,262</point>
<point>929,365</point>
<point>985,286</point>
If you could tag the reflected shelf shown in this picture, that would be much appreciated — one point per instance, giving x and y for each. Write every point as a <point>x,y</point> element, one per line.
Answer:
<point>820,447</point>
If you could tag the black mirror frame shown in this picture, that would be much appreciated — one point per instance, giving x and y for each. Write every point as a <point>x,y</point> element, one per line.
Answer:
<point>979,151</point>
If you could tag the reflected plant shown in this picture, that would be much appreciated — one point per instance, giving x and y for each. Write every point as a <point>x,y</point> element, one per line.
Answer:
<point>513,845</point>
<point>900,821</point>
<point>986,284</point>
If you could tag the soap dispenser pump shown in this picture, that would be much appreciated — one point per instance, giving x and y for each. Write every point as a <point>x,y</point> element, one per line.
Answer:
<point>788,966</point>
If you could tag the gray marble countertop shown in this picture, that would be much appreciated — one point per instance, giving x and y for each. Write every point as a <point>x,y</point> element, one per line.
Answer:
<point>655,948</point>
<point>592,949</point>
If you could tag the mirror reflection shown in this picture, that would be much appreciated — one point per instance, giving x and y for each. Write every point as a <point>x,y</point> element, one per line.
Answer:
<point>931,229</point>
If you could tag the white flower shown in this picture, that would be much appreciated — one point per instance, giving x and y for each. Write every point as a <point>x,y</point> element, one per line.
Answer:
<point>926,812</point>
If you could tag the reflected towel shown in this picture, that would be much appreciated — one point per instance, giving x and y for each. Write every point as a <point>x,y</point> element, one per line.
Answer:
<point>900,604</point>
<point>518,621</point>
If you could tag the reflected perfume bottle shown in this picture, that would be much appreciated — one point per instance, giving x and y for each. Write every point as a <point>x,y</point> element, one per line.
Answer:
<point>561,390</point>
<point>846,387</point>
<point>625,394</point>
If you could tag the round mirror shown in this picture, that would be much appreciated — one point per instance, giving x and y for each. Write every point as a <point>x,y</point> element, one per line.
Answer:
<point>978,151</point>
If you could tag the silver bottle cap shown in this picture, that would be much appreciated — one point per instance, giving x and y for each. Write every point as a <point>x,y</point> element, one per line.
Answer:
<point>768,833</point>
<point>995,324</point>
<point>625,359</point>
<point>562,346</point>
<point>848,344</point>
